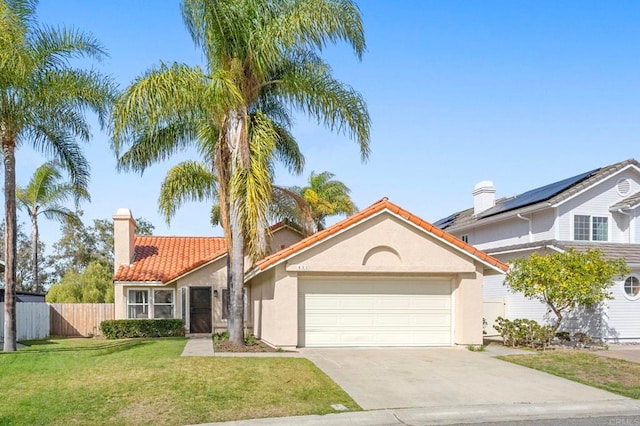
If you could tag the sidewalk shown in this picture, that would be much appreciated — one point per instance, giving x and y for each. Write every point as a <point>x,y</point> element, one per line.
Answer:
<point>203,346</point>
<point>454,415</point>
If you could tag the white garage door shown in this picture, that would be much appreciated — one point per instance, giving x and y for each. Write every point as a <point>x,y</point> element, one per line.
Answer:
<point>374,312</point>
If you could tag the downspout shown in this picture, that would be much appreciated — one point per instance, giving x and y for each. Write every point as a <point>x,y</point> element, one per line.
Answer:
<point>528,219</point>
<point>622,212</point>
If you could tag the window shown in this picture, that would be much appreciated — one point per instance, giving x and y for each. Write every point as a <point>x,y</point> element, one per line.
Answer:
<point>163,303</point>
<point>632,288</point>
<point>138,304</point>
<point>590,228</point>
<point>465,238</point>
<point>226,301</point>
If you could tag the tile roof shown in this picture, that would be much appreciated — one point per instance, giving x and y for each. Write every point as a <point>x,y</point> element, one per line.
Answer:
<point>383,204</point>
<point>628,203</point>
<point>466,217</point>
<point>630,252</point>
<point>166,258</point>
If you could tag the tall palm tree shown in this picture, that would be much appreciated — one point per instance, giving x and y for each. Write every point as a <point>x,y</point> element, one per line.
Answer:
<point>262,63</point>
<point>42,103</point>
<point>323,197</point>
<point>45,195</point>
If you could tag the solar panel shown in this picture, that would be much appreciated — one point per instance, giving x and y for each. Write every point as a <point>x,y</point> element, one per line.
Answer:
<point>536,195</point>
<point>443,223</point>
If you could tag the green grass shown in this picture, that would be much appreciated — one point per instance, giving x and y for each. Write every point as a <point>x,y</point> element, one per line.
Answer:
<point>610,374</point>
<point>86,381</point>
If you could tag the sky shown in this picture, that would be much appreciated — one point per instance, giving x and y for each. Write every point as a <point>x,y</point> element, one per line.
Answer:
<point>519,93</point>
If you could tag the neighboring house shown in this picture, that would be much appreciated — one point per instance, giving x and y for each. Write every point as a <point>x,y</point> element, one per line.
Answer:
<point>382,277</point>
<point>25,296</point>
<point>596,209</point>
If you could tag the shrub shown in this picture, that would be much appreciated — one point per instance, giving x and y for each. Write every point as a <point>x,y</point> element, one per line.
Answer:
<point>524,332</point>
<point>476,348</point>
<point>122,329</point>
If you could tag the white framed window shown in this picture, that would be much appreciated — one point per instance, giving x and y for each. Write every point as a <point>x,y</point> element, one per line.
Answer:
<point>163,304</point>
<point>138,304</point>
<point>465,238</point>
<point>631,287</point>
<point>147,303</point>
<point>590,228</point>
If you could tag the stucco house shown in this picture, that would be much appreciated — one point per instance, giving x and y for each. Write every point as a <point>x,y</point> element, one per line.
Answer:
<point>595,209</point>
<point>382,277</point>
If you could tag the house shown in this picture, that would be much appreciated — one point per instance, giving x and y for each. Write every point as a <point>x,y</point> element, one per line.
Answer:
<point>382,277</point>
<point>25,296</point>
<point>595,209</point>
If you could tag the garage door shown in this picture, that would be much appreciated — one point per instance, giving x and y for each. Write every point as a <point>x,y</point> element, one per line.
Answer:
<point>374,312</point>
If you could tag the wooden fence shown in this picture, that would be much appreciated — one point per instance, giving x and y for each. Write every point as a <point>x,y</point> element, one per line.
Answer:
<point>32,321</point>
<point>79,319</point>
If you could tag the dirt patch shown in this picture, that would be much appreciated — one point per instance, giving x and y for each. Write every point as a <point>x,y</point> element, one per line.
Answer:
<point>227,346</point>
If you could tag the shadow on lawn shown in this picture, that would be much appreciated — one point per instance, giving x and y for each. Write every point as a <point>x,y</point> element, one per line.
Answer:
<point>43,346</point>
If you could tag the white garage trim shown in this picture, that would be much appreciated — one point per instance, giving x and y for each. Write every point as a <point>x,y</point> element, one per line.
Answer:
<point>375,311</point>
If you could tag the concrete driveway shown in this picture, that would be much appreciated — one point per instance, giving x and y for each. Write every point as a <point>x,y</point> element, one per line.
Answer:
<point>378,378</point>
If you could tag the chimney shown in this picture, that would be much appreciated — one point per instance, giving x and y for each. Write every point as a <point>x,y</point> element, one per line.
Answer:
<point>483,196</point>
<point>123,238</point>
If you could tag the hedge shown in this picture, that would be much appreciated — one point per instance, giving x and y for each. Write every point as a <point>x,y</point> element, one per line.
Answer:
<point>122,329</point>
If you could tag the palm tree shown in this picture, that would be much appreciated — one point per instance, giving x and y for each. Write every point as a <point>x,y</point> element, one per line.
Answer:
<point>42,103</point>
<point>323,197</point>
<point>262,63</point>
<point>45,195</point>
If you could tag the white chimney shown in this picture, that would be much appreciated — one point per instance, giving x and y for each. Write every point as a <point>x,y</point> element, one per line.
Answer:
<point>123,238</point>
<point>483,196</point>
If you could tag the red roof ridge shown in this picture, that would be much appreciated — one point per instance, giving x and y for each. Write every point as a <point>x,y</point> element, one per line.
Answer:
<point>378,206</point>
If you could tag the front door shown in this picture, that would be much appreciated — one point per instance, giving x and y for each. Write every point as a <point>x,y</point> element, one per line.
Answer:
<point>200,312</point>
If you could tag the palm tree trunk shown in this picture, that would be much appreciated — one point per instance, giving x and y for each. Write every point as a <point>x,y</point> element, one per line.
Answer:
<point>35,285</point>
<point>10,242</point>
<point>234,134</point>
<point>236,295</point>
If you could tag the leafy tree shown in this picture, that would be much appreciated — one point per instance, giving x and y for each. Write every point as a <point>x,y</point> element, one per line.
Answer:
<point>564,281</point>
<point>24,267</point>
<point>45,195</point>
<point>93,285</point>
<point>262,62</point>
<point>42,103</point>
<point>81,245</point>
<point>322,197</point>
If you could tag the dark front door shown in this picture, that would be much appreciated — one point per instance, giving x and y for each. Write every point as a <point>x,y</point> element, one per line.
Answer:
<point>200,312</point>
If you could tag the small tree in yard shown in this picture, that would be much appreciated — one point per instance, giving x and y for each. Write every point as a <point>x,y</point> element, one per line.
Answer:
<point>564,281</point>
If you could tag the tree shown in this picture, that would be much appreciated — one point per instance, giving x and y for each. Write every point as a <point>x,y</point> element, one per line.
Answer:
<point>567,280</point>
<point>323,197</point>
<point>42,102</point>
<point>24,266</point>
<point>81,245</point>
<point>262,63</point>
<point>45,195</point>
<point>93,285</point>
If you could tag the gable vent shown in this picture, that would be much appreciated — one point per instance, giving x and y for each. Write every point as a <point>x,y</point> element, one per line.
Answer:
<point>624,186</point>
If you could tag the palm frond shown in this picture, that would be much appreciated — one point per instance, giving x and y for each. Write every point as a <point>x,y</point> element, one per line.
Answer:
<point>187,181</point>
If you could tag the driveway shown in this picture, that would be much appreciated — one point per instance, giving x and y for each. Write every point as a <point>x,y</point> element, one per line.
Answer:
<point>378,378</point>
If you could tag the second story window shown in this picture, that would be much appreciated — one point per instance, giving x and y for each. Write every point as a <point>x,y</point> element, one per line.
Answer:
<point>590,228</point>
<point>465,238</point>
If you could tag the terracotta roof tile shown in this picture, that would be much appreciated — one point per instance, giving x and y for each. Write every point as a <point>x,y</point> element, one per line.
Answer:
<point>166,258</point>
<point>383,204</point>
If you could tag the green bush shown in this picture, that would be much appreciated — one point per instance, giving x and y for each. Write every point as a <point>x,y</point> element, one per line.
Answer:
<point>122,329</point>
<point>524,332</point>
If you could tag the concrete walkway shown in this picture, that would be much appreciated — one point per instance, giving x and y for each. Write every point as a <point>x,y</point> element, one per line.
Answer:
<point>203,346</point>
<point>455,415</point>
<point>198,346</point>
<point>629,353</point>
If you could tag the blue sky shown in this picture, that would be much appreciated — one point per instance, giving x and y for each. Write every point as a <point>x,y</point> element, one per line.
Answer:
<point>520,93</point>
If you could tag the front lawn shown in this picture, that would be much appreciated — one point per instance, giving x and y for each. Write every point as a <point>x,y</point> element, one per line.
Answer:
<point>85,381</point>
<point>610,374</point>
